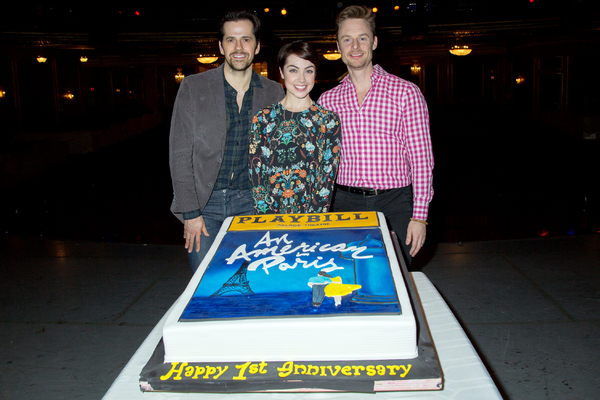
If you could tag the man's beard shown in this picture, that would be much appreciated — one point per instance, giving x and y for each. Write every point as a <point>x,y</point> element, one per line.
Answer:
<point>239,66</point>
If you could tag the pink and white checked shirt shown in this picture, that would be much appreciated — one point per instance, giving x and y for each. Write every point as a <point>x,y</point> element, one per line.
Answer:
<point>385,141</point>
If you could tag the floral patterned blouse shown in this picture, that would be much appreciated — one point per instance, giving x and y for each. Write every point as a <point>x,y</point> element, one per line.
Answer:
<point>294,158</point>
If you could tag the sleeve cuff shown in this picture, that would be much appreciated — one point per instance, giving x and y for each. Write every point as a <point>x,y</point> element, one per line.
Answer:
<point>420,212</point>
<point>191,214</point>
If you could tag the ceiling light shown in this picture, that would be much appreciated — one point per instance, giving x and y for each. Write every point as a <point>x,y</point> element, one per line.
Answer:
<point>207,59</point>
<point>460,50</point>
<point>332,55</point>
<point>415,69</point>
<point>179,76</point>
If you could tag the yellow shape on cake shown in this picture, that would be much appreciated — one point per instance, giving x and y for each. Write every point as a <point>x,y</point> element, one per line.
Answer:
<point>337,288</point>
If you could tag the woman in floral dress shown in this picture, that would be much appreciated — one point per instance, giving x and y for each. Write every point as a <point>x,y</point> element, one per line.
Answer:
<point>294,144</point>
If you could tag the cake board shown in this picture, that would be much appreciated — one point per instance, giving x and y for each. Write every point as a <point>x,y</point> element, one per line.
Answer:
<point>420,373</point>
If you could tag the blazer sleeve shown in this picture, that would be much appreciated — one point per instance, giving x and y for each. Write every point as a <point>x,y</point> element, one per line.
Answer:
<point>181,148</point>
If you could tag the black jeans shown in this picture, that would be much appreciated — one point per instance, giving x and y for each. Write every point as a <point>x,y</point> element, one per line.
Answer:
<point>396,205</point>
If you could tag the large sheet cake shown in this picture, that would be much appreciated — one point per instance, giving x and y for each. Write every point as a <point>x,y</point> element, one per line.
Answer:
<point>295,287</point>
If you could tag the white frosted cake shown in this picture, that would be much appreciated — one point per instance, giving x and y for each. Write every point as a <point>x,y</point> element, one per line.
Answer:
<point>297,287</point>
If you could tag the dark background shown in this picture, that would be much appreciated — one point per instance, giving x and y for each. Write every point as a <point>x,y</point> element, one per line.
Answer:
<point>511,161</point>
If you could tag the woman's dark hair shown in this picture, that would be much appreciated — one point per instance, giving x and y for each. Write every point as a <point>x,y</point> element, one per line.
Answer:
<point>298,48</point>
<point>240,16</point>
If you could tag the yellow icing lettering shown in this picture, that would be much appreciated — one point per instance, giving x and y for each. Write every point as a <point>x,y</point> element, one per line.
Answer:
<point>242,369</point>
<point>286,369</point>
<point>209,372</point>
<point>296,367</point>
<point>174,370</point>
<point>262,369</point>
<point>189,371</point>
<point>221,371</point>
<point>199,371</point>
<point>253,369</point>
<point>405,370</point>
<point>357,368</point>
<point>290,368</point>
<point>393,368</point>
<point>337,370</point>
<point>313,370</point>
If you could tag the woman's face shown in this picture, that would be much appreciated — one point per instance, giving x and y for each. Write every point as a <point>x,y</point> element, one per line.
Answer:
<point>298,75</point>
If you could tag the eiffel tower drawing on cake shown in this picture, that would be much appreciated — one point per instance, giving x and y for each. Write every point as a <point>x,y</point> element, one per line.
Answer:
<point>237,283</point>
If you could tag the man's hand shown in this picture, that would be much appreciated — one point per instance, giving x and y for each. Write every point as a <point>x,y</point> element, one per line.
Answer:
<point>192,231</point>
<point>415,234</point>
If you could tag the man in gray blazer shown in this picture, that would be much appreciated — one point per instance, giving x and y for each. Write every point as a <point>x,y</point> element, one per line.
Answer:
<point>209,136</point>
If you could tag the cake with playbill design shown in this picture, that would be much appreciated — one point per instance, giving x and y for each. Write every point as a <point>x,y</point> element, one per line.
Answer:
<point>295,302</point>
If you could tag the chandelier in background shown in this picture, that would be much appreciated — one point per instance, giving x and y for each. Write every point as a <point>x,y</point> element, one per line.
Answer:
<point>40,58</point>
<point>415,69</point>
<point>179,76</point>
<point>460,50</point>
<point>207,59</point>
<point>332,55</point>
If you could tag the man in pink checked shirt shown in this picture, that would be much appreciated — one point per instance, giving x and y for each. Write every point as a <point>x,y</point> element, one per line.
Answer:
<point>387,162</point>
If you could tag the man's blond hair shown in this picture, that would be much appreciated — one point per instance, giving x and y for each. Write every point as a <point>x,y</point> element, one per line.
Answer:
<point>355,12</point>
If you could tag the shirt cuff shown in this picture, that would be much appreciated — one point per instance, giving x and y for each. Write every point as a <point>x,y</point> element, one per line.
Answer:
<point>420,212</point>
<point>191,214</point>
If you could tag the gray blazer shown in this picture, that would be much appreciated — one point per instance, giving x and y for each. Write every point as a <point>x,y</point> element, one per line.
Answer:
<point>198,135</point>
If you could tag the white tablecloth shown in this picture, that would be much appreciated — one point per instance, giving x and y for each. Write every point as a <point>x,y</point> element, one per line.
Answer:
<point>465,376</point>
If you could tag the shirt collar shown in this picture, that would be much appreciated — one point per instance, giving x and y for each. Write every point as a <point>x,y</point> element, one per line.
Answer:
<point>254,81</point>
<point>378,72</point>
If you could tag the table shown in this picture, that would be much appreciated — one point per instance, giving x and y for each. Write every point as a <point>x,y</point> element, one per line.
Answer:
<point>465,376</point>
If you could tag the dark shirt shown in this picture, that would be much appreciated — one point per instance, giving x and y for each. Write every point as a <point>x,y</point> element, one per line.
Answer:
<point>234,169</point>
<point>233,173</point>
